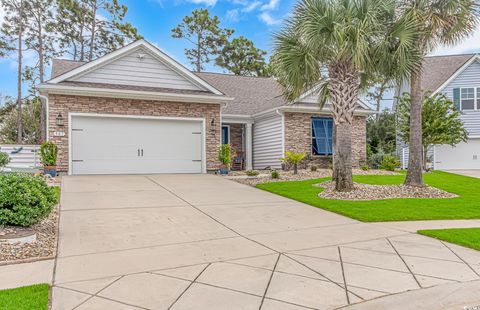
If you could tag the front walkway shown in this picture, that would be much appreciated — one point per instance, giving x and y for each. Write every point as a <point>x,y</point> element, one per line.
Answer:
<point>202,242</point>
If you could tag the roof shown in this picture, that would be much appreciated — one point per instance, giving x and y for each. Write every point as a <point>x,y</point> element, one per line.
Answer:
<point>61,66</point>
<point>251,94</point>
<point>438,69</point>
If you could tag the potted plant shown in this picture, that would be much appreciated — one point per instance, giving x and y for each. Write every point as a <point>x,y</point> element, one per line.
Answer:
<point>48,153</point>
<point>4,160</point>
<point>225,155</point>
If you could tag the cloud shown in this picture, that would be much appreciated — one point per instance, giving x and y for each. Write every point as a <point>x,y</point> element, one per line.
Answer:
<point>270,5</point>
<point>468,45</point>
<point>268,19</point>
<point>233,15</point>
<point>204,2</point>
<point>251,6</point>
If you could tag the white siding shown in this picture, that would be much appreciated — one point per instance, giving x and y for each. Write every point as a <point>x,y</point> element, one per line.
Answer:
<point>22,155</point>
<point>268,142</point>
<point>131,70</point>
<point>470,77</point>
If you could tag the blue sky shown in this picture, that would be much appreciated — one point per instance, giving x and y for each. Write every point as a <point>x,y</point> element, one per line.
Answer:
<point>254,19</point>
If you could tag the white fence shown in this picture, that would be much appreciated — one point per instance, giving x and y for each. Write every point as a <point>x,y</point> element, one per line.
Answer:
<point>22,156</point>
<point>404,156</point>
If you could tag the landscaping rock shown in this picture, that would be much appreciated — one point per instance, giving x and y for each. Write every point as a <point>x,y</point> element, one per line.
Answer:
<point>379,192</point>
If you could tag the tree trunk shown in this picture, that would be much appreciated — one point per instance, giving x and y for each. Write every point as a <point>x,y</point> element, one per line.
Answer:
<point>343,163</point>
<point>343,87</point>
<point>199,50</point>
<point>19,77</point>
<point>415,161</point>
<point>295,168</point>
<point>425,154</point>
<point>92,32</point>
<point>41,69</point>
<point>334,146</point>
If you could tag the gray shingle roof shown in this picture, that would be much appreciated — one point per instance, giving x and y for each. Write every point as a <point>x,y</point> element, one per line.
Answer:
<point>438,69</point>
<point>61,66</point>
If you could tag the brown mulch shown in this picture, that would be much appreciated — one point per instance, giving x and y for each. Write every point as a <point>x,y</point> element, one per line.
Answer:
<point>379,192</point>
<point>265,176</point>
<point>44,247</point>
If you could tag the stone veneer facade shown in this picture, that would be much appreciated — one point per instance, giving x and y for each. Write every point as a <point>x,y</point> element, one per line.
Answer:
<point>65,104</point>
<point>298,137</point>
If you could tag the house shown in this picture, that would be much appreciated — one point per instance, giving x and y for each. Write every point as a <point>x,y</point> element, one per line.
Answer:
<point>137,110</point>
<point>458,77</point>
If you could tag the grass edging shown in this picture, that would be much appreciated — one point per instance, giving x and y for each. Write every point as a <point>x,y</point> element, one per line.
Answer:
<point>25,298</point>
<point>467,237</point>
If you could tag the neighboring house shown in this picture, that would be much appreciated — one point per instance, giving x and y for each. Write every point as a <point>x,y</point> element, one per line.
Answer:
<point>136,110</point>
<point>458,77</point>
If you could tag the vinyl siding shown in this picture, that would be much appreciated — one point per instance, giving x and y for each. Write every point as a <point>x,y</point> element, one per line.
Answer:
<point>470,77</point>
<point>268,142</point>
<point>131,70</point>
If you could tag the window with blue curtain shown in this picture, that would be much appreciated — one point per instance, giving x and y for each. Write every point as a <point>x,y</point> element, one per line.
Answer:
<point>322,136</point>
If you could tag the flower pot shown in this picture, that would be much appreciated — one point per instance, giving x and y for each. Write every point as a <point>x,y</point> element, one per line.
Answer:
<point>51,170</point>
<point>224,171</point>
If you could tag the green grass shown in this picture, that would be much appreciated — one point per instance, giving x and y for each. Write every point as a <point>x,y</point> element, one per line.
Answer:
<point>469,237</point>
<point>466,206</point>
<point>57,193</point>
<point>33,297</point>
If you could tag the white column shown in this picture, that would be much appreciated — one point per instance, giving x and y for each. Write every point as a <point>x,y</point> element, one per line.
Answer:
<point>248,146</point>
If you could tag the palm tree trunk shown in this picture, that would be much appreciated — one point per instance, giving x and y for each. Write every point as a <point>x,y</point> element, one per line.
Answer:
<point>415,161</point>
<point>343,87</point>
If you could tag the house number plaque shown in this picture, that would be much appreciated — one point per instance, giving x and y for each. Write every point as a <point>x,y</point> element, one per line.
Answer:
<point>59,134</point>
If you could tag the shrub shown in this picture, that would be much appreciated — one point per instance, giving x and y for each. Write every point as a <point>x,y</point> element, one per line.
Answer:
<point>275,174</point>
<point>390,163</point>
<point>4,159</point>
<point>48,153</point>
<point>364,168</point>
<point>313,168</point>
<point>293,159</point>
<point>252,173</point>
<point>225,154</point>
<point>24,200</point>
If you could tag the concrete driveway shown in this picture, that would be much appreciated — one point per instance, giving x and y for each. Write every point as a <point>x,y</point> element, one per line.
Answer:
<point>202,242</point>
<point>475,173</point>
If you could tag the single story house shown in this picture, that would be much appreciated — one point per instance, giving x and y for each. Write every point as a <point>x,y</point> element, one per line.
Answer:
<point>458,77</point>
<point>137,110</point>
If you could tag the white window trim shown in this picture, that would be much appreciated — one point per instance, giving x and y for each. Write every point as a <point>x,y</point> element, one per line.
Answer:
<point>476,91</point>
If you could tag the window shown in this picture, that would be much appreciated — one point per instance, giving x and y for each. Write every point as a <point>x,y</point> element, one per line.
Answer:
<point>322,136</point>
<point>225,134</point>
<point>467,98</point>
<point>478,98</point>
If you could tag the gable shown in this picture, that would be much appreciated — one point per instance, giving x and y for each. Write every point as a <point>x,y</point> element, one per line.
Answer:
<point>469,77</point>
<point>138,67</point>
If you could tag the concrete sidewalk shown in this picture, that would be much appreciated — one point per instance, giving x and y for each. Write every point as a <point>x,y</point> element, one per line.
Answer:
<point>203,242</point>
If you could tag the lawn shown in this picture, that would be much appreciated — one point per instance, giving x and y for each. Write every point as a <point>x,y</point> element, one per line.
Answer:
<point>468,237</point>
<point>466,206</point>
<point>33,297</point>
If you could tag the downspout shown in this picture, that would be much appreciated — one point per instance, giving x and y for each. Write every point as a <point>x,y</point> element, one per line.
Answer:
<point>45,98</point>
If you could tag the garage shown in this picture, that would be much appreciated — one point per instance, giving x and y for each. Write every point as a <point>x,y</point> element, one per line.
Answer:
<point>106,144</point>
<point>462,156</point>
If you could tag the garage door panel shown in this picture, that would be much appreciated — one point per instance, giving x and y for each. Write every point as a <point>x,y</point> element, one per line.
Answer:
<point>117,145</point>
<point>462,156</point>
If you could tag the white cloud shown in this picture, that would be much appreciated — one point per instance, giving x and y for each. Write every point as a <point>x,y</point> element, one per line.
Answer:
<point>204,2</point>
<point>251,6</point>
<point>270,5</point>
<point>468,45</point>
<point>233,15</point>
<point>268,19</point>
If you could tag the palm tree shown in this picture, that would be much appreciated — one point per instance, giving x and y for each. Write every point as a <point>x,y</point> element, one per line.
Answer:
<point>335,46</point>
<point>438,22</point>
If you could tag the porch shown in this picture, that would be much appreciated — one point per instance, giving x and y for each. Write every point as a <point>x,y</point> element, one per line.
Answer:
<point>237,131</point>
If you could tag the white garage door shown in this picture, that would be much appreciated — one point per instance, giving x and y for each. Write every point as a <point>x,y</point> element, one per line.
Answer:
<point>463,156</point>
<point>118,145</point>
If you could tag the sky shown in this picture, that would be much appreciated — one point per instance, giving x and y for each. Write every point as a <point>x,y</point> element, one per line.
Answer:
<point>255,19</point>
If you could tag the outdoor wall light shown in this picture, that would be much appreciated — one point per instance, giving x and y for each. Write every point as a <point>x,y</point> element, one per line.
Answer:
<point>212,123</point>
<point>59,120</point>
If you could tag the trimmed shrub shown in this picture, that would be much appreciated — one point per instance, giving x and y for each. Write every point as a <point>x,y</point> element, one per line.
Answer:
<point>390,163</point>
<point>252,173</point>
<point>275,174</point>
<point>24,199</point>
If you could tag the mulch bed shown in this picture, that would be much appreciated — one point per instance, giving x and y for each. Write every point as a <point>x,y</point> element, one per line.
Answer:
<point>379,192</point>
<point>43,248</point>
<point>265,176</point>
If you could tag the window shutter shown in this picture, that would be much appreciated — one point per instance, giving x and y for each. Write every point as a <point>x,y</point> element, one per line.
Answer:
<point>456,98</point>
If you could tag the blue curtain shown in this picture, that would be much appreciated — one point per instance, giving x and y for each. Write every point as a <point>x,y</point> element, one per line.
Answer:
<point>322,136</point>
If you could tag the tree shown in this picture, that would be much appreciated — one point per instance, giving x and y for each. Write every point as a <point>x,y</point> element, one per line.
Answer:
<point>205,34</point>
<point>352,41</point>
<point>381,132</point>
<point>31,124</point>
<point>93,28</point>
<point>378,87</point>
<point>438,22</point>
<point>441,123</point>
<point>241,57</point>
<point>12,30</point>
<point>40,37</point>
